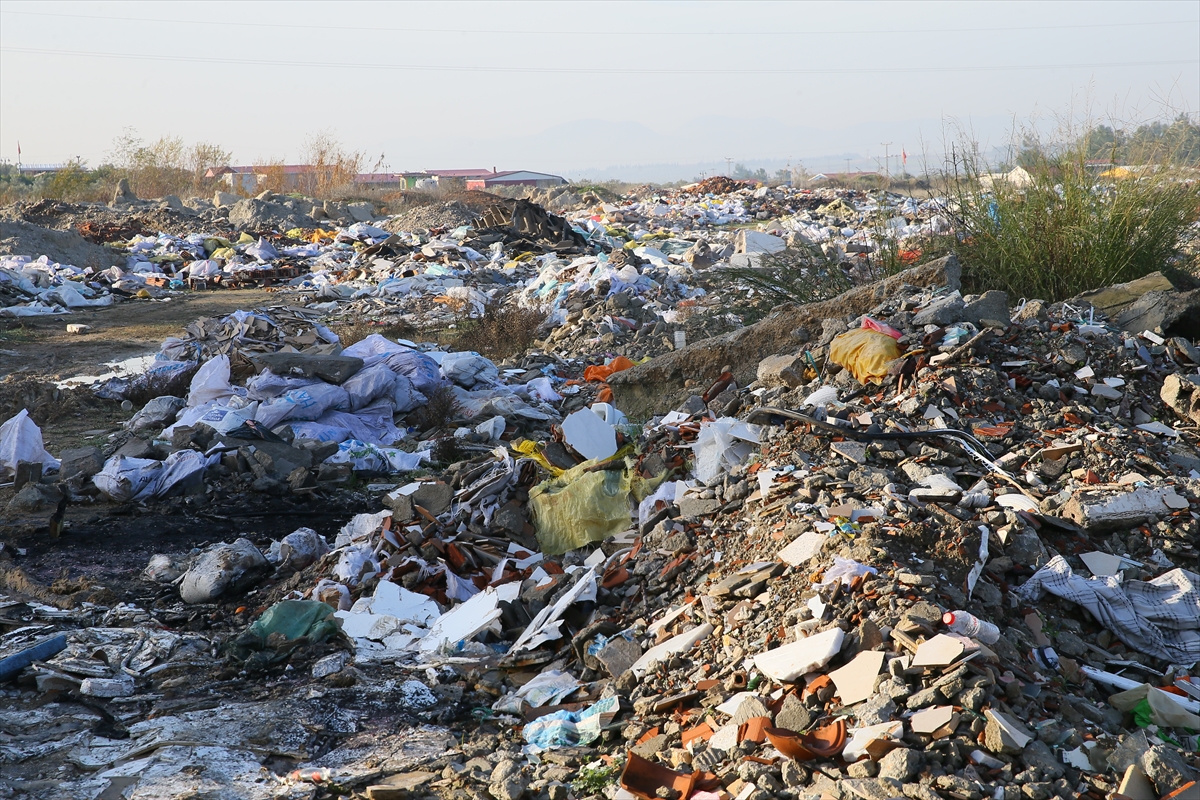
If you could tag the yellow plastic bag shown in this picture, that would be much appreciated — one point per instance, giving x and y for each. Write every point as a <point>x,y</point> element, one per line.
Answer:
<point>865,353</point>
<point>580,507</point>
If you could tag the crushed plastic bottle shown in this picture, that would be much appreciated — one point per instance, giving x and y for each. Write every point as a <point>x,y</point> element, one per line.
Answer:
<point>964,623</point>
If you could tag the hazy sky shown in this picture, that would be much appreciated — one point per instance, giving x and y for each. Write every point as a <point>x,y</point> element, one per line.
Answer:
<point>578,88</point>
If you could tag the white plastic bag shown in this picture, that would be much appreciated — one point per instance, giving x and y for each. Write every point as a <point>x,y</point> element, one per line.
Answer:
<point>21,440</point>
<point>211,382</point>
<point>468,369</point>
<point>369,384</point>
<point>308,403</point>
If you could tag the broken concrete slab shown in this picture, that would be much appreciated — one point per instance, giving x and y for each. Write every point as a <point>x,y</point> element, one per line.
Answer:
<point>1101,513</point>
<point>333,369</point>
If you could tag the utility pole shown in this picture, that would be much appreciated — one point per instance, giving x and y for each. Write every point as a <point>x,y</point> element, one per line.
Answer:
<point>728,167</point>
<point>887,164</point>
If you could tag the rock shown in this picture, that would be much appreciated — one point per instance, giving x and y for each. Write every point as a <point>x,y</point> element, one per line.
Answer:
<point>944,310</point>
<point>172,202</point>
<point>618,655</point>
<point>872,788</point>
<point>1179,392</point>
<point>224,199</point>
<point>863,769</point>
<point>849,449</point>
<point>1026,548</point>
<point>900,764</point>
<point>86,461</point>
<point>1114,299</point>
<point>508,781</point>
<point>361,212</point>
<point>34,497</point>
<point>1068,644</point>
<point>1003,734</point>
<point>1169,313</point>
<point>781,371</point>
<point>1099,512</point>
<point>332,369</point>
<point>434,497</point>
<point>329,665</point>
<point>749,708</point>
<point>1037,754</point>
<point>1165,768</point>
<point>793,714</point>
<point>1032,311</point>
<point>989,308</point>
<point>221,568</point>
<point>123,194</point>
<point>256,214</point>
<point>694,507</point>
<point>647,388</point>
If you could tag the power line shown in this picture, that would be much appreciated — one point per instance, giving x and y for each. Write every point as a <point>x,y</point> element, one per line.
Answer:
<point>583,70</point>
<point>525,31</point>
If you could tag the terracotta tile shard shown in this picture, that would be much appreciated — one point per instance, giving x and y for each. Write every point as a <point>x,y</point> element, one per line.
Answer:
<point>824,742</point>
<point>702,732</point>
<point>643,779</point>
<point>754,730</point>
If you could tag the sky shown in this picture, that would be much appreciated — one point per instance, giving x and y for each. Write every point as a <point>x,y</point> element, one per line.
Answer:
<point>628,90</point>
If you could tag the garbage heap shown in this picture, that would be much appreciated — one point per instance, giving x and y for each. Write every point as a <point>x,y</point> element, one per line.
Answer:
<point>930,546</point>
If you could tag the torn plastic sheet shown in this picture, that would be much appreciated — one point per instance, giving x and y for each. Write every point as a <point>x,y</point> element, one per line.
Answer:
<point>547,688</point>
<point>721,445</point>
<point>1163,707</point>
<point>570,728</point>
<point>546,625</point>
<point>977,569</point>
<point>364,457</point>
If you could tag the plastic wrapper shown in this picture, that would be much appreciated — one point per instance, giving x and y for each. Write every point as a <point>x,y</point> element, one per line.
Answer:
<point>865,353</point>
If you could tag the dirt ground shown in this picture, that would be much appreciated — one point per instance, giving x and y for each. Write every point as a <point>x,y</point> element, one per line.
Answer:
<point>41,347</point>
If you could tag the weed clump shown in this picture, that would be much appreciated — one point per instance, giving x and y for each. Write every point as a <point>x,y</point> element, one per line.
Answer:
<point>1058,226</point>
<point>501,331</point>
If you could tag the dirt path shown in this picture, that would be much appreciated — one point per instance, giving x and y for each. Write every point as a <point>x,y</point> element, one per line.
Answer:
<point>41,347</point>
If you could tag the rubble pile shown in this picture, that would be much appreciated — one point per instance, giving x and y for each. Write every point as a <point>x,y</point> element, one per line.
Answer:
<point>901,543</point>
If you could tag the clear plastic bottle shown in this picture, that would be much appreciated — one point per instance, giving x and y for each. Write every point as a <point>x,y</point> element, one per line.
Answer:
<point>964,623</point>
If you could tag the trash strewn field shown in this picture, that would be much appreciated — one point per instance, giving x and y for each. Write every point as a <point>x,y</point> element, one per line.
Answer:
<point>568,497</point>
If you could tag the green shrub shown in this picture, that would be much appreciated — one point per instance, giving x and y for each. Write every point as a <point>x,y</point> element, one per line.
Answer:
<point>1068,228</point>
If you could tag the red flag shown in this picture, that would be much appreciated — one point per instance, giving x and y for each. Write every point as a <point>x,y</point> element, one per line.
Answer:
<point>18,148</point>
<point>904,156</point>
